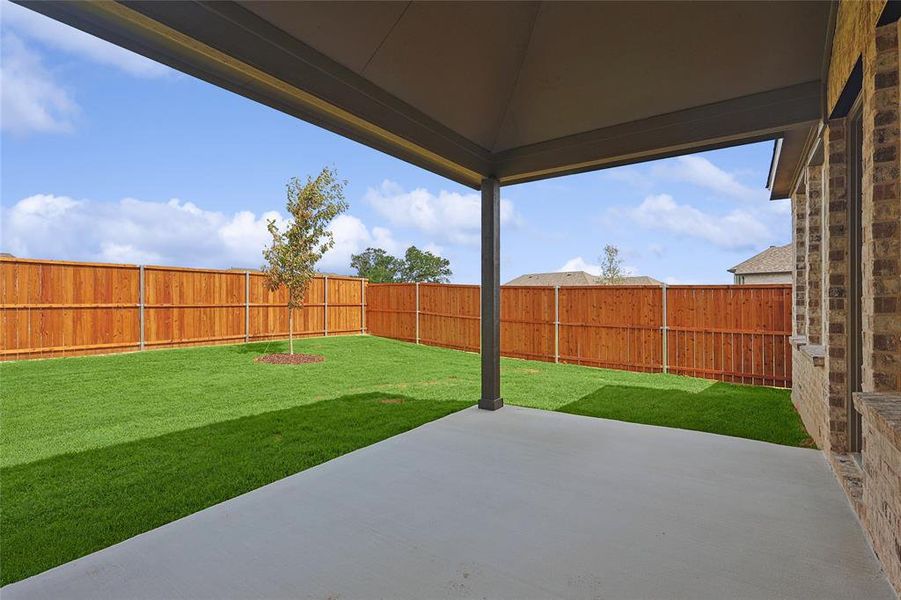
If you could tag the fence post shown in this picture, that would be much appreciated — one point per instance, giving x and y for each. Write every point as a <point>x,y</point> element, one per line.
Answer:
<point>556,323</point>
<point>325,305</point>
<point>246,306</point>
<point>665,332</point>
<point>141,304</point>
<point>362,306</point>
<point>417,311</point>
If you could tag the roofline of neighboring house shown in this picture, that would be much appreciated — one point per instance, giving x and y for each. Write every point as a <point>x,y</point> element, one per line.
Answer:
<point>732,270</point>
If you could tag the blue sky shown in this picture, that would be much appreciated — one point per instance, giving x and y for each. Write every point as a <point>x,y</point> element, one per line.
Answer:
<point>107,156</point>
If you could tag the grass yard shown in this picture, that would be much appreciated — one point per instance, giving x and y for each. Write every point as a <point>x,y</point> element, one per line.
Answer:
<point>94,450</point>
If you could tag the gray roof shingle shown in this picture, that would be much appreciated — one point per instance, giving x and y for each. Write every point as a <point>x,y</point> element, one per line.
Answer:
<point>775,259</point>
<point>572,278</point>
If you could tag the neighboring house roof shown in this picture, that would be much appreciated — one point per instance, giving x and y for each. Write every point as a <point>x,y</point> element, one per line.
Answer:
<point>775,259</point>
<point>565,278</point>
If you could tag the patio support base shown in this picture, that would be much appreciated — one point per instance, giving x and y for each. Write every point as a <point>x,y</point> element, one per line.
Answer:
<point>491,296</point>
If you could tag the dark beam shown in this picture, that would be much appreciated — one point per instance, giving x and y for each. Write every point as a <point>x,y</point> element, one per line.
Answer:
<point>491,296</point>
<point>753,118</point>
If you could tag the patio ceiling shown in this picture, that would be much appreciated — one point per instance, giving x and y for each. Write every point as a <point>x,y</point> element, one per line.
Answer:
<point>517,91</point>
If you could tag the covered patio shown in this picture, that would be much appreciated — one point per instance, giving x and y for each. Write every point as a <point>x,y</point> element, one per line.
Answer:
<point>499,93</point>
<point>513,503</point>
<point>519,503</point>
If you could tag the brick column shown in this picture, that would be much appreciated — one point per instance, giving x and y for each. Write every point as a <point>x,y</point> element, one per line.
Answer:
<point>881,217</point>
<point>837,278</point>
<point>799,224</point>
<point>815,254</point>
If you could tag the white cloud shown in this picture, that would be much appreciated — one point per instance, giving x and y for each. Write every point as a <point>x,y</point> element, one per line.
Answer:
<point>30,99</point>
<point>580,264</point>
<point>449,216</point>
<point>657,250</point>
<point>352,237</point>
<point>169,233</point>
<point>699,171</point>
<point>631,176</point>
<point>52,33</point>
<point>434,249</point>
<point>735,230</point>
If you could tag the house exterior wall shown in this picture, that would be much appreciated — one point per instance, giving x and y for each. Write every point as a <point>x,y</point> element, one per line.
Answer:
<point>752,278</point>
<point>822,302</point>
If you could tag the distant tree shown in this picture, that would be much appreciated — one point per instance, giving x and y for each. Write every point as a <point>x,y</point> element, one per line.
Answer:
<point>291,258</point>
<point>424,266</point>
<point>611,265</point>
<point>377,266</point>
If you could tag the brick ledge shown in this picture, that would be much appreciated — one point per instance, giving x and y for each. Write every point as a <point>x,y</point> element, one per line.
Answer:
<point>883,410</point>
<point>816,353</point>
<point>850,476</point>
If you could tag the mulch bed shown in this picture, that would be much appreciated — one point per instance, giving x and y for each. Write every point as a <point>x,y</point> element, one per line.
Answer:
<point>283,358</point>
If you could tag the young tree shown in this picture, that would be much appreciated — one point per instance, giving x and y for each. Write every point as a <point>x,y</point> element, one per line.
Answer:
<point>611,265</point>
<point>291,258</point>
<point>377,266</point>
<point>419,265</point>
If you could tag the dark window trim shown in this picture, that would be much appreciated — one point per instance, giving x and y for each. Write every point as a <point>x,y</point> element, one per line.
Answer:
<point>850,92</point>
<point>854,341</point>
<point>890,14</point>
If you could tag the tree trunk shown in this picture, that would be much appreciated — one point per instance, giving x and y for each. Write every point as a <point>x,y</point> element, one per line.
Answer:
<point>291,330</point>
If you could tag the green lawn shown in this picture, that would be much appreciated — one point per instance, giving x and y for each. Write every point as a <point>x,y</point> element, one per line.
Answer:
<point>95,450</point>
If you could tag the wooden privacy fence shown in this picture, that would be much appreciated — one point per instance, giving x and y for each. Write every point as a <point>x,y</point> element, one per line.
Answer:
<point>730,333</point>
<point>55,308</point>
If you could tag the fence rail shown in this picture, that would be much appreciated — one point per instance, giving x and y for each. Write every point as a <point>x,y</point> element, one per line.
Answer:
<point>730,333</point>
<point>56,308</point>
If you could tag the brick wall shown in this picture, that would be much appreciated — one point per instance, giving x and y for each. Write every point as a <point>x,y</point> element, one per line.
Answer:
<point>814,253</point>
<point>799,226</point>
<point>809,398</point>
<point>820,215</point>
<point>881,498</point>
<point>882,215</point>
<point>853,28</point>
<point>836,277</point>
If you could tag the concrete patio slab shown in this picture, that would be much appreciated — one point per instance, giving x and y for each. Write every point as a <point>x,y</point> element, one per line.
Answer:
<point>517,503</point>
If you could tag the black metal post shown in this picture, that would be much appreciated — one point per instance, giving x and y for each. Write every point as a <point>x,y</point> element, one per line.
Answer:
<point>491,296</point>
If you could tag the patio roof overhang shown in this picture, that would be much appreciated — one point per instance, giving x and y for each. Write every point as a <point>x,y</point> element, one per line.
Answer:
<point>498,93</point>
<point>518,91</point>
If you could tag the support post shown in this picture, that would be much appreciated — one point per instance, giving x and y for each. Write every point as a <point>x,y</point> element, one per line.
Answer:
<point>556,323</point>
<point>246,306</point>
<point>362,306</point>
<point>141,305</point>
<point>664,332</point>
<point>325,305</point>
<point>416,285</point>
<point>491,296</point>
